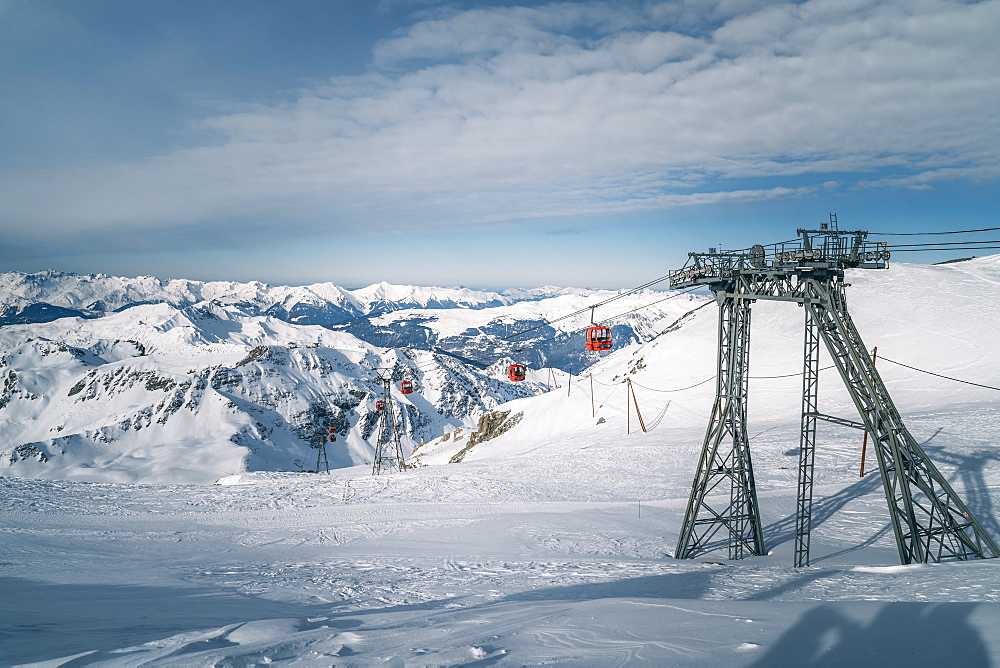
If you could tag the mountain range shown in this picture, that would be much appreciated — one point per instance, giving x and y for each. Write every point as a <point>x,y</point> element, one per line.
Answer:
<point>180,381</point>
<point>187,391</point>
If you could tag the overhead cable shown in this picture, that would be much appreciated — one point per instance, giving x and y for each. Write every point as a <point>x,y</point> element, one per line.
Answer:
<point>681,389</point>
<point>920,234</point>
<point>931,373</point>
<point>947,243</point>
<point>588,308</point>
<point>950,249</point>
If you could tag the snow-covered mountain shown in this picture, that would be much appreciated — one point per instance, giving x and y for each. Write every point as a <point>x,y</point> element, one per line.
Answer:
<point>160,393</point>
<point>521,330</point>
<point>47,295</point>
<point>187,393</point>
<point>143,379</point>
<point>472,325</point>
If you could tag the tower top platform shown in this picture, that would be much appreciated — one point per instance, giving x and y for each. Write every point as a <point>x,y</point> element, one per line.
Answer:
<point>814,251</point>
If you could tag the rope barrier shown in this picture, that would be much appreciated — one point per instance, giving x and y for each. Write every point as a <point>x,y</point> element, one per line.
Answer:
<point>931,373</point>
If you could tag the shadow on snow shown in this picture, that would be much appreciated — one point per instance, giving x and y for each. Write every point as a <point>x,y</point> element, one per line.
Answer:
<point>899,634</point>
<point>42,621</point>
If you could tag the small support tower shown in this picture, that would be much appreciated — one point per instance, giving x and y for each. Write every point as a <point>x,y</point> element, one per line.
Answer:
<point>388,448</point>
<point>322,463</point>
<point>930,521</point>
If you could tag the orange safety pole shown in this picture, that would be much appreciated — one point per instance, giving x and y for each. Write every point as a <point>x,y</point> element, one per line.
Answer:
<point>864,442</point>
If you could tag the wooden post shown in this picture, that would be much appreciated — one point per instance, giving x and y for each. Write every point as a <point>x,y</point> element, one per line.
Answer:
<point>593,412</point>
<point>636,401</point>
<point>569,385</point>
<point>628,409</point>
<point>864,441</point>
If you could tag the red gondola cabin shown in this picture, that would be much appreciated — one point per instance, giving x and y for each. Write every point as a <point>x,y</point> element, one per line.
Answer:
<point>406,387</point>
<point>380,405</point>
<point>598,338</point>
<point>516,372</point>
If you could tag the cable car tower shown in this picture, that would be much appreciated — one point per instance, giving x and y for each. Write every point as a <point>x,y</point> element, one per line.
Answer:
<point>930,521</point>
<point>388,448</point>
<point>322,463</point>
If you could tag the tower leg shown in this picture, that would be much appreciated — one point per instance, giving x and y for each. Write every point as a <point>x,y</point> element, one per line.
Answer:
<point>807,440</point>
<point>380,463</point>
<point>930,521</point>
<point>723,494</point>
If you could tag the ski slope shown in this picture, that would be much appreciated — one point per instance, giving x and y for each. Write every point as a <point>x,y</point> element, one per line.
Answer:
<point>551,543</point>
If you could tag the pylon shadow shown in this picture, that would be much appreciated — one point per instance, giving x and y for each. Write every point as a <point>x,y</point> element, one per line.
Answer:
<point>800,581</point>
<point>692,585</point>
<point>823,509</point>
<point>971,470</point>
<point>900,633</point>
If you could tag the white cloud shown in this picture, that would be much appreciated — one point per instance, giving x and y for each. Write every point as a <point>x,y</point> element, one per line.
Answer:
<point>924,180</point>
<point>578,108</point>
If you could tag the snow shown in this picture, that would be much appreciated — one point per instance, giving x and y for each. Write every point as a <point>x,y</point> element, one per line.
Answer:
<point>550,543</point>
<point>100,293</point>
<point>561,558</point>
<point>452,322</point>
<point>158,394</point>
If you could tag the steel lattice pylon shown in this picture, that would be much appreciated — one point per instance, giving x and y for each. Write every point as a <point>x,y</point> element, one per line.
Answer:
<point>388,448</point>
<point>322,463</point>
<point>930,521</point>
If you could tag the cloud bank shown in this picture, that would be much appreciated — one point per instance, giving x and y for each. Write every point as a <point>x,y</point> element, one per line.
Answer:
<point>569,109</point>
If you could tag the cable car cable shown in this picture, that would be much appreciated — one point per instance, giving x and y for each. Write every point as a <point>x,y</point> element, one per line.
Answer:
<point>639,308</point>
<point>953,248</point>
<point>434,361</point>
<point>920,234</point>
<point>588,308</point>
<point>946,243</point>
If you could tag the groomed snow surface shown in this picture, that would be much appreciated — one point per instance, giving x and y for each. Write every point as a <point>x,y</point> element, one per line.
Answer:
<point>558,556</point>
<point>550,544</point>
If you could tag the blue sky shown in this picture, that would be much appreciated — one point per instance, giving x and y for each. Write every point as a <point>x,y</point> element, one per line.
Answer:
<point>486,144</point>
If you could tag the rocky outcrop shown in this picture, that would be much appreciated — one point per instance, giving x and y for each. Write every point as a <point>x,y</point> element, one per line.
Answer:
<point>491,425</point>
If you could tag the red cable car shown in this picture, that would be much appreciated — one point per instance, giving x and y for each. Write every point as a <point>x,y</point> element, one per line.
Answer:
<point>516,372</point>
<point>406,387</point>
<point>599,338</point>
<point>331,433</point>
<point>380,405</point>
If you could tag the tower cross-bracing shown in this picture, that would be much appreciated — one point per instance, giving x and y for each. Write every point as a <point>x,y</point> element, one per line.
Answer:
<point>930,521</point>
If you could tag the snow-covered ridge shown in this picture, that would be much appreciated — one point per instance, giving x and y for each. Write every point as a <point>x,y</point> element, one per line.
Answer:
<point>470,324</point>
<point>320,303</point>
